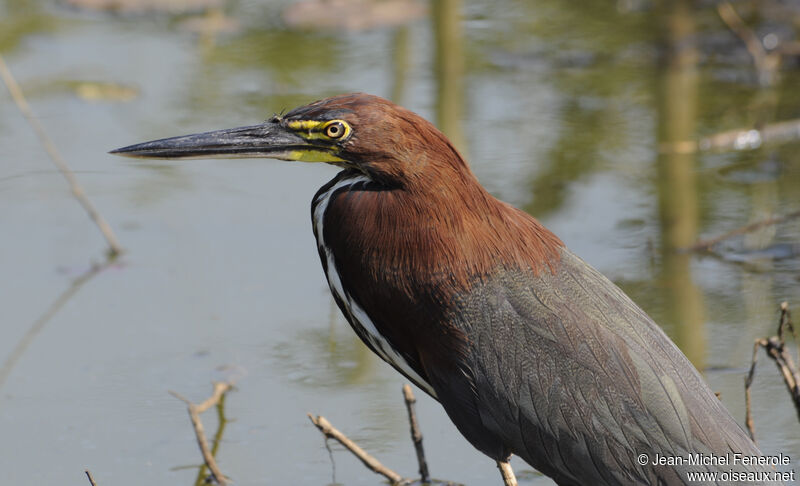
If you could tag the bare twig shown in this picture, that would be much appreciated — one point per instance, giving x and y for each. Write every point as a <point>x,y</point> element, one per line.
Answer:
<point>508,474</point>
<point>784,360</point>
<point>774,346</point>
<point>330,432</point>
<point>416,434</point>
<point>19,99</point>
<point>704,245</point>
<point>91,479</point>
<point>748,381</point>
<point>202,473</point>
<point>194,414</point>
<point>786,321</point>
<point>220,388</point>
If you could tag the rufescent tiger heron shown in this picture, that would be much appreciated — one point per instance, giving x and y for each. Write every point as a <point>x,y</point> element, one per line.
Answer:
<point>529,349</point>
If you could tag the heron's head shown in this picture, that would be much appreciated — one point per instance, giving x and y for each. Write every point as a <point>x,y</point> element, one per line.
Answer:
<point>367,133</point>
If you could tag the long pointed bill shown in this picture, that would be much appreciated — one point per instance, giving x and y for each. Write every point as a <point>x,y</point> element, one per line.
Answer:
<point>270,140</point>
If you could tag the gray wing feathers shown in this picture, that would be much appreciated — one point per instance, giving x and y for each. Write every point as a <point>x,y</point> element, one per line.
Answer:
<point>594,384</point>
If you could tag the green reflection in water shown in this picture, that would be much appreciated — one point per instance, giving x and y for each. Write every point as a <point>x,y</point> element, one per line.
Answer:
<point>284,69</point>
<point>598,71</point>
<point>677,185</point>
<point>401,63</point>
<point>575,155</point>
<point>288,55</point>
<point>332,358</point>
<point>21,18</point>
<point>17,26</point>
<point>449,69</point>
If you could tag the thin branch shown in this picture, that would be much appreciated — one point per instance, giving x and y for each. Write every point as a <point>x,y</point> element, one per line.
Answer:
<point>19,99</point>
<point>705,245</point>
<point>775,349</point>
<point>786,320</point>
<point>220,388</point>
<point>416,434</point>
<point>508,474</point>
<point>194,414</point>
<point>330,432</point>
<point>91,479</point>
<point>748,381</point>
<point>202,472</point>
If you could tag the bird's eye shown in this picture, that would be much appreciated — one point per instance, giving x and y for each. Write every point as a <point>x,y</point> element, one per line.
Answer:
<point>335,129</point>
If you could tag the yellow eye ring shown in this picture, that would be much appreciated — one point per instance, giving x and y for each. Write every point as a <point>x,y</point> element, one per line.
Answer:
<point>336,129</point>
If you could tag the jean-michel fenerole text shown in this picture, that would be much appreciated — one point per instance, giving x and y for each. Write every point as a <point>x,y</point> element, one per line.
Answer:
<point>730,459</point>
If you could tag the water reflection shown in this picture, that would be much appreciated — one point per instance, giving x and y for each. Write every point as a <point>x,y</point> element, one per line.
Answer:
<point>449,69</point>
<point>401,57</point>
<point>21,18</point>
<point>677,185</point>
<point>326,358</point>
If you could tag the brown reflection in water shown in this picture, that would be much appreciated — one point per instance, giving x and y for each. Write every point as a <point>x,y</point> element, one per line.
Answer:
<point>677,185</point>
<point>449,70</point>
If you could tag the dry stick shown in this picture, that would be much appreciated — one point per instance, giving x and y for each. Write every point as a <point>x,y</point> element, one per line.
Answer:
<point>416,434</point>
<point>91,479</point>
<point>786,320</point>
<point>786,364</point>
<point>774,346</point>
<point>19,99</point>
<point>748,420</point>
<point>707,244</point>
<point>508,474</point>
<point>330,432</point>
<point>199,431</point>
<point>202,473</point>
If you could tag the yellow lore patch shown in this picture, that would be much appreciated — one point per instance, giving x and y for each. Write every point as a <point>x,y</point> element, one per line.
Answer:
<point>310,155</point>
